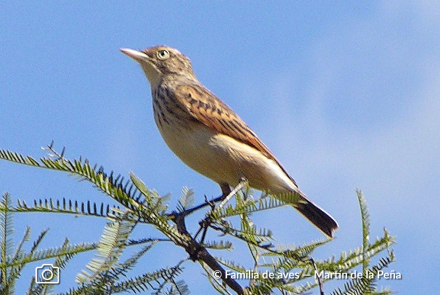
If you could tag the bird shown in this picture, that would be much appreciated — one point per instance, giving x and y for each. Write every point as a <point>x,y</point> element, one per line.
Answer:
<point>209,137</point>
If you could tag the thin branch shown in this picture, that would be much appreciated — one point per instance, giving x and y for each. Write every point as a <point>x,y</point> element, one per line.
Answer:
<point>321,287</point>
<point>197,252</point>
<point>198,207</point>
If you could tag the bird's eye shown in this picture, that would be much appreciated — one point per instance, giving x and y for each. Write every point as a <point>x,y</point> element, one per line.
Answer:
<point>163,54</point>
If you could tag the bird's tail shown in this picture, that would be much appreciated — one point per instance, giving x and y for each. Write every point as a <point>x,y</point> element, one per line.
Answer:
<point>317,216</point>
<point>310,210</point>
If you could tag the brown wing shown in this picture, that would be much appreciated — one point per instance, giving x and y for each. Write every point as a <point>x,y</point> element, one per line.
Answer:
<point>204,106</point>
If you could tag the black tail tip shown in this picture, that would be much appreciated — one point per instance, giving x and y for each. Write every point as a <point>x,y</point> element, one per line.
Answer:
<point>321,219</point>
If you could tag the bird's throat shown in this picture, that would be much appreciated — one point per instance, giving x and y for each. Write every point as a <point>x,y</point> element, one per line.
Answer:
<point>153,74</point>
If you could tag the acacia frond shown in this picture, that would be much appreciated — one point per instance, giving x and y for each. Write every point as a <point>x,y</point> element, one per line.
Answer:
<point>66,206</point>
<point>115,186</point>
<point>367,283</point>
<point>177,288</point>
<point>355,257</point>
<point>39,255</point>
<point>147,281</point>
<point>247,206</point>
<point>110,248</point>
<point>186,199</point>
<point>220,245</point>
<point>215,282</point>
<point>6,228</point>
<point>294,251</point>
<point>8,274</point>
<point>251,234</point>
<point>365,217</point>
<point>235,266</point>
<point>132,261</point>
<point>147,205</point>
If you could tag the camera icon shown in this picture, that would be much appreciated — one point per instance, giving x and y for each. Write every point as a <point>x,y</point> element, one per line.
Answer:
<point>47,274</point>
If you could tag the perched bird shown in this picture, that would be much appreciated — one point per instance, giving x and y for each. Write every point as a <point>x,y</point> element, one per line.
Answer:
<point>208,136</point>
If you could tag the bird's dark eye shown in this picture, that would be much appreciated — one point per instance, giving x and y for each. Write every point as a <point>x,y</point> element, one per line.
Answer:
<point>163,54</point>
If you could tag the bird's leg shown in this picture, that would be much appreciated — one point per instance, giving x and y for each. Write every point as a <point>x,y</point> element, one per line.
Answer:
<point>232,193</point>
<point>227,194</point>
<point>225,191</point>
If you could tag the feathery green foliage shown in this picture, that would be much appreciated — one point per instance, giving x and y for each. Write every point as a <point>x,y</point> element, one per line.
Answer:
<point>275,268</point>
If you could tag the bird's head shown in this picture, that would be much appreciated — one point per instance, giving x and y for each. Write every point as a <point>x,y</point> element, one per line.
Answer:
<point>161,61</point>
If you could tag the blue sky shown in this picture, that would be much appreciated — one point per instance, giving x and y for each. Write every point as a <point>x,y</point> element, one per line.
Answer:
<point>346,95</point>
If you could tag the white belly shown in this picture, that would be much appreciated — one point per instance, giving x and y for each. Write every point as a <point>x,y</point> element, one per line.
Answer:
<point>224,159</point>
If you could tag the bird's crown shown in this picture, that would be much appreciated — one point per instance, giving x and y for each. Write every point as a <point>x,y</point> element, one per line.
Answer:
<point>169,60</point>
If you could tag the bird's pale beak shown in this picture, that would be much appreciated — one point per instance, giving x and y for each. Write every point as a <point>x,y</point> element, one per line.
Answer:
<point>148,65</point>
<point>138,56</point>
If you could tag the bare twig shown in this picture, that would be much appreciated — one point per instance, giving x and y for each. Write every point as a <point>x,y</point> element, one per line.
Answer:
<point>321,287</point>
